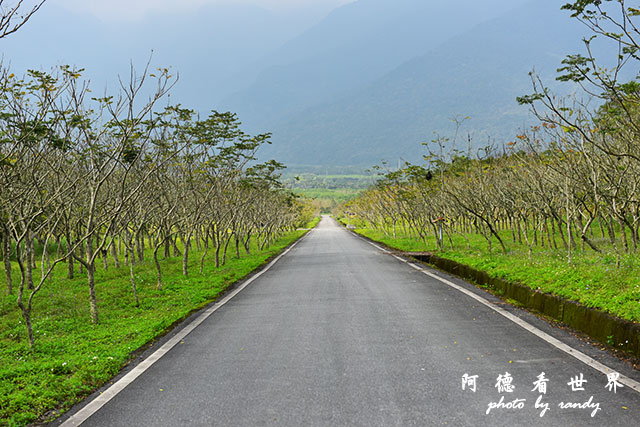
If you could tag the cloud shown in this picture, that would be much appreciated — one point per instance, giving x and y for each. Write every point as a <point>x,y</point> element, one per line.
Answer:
<point>136,9</point>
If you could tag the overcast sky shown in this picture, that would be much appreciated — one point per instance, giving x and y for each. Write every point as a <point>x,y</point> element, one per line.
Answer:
<point>135,9</point>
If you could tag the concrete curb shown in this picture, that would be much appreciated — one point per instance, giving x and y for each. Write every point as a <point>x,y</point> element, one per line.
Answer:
<point>601,326</point>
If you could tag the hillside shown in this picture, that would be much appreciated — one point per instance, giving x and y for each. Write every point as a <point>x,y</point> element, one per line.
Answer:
<point>355,45</point>
<point>477,74</point>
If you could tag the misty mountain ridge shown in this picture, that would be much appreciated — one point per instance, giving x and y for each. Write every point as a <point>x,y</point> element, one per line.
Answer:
<point>478,74</point>
<point>355,45</point>
<point>369,81</point>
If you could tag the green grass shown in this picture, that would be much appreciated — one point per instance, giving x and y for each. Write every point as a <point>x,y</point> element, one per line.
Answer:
<point>72,357</point>
<point>315,221</point>
<point>322,181</point>
<point>593,279</point>
<point>340,195</point>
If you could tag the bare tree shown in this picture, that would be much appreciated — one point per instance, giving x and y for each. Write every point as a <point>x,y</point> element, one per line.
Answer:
<point>14,14</point>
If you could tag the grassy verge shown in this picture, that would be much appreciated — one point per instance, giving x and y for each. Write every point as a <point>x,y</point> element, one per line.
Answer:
<point>315,221</point>
<point>593,279</point>
<point>72,357</point>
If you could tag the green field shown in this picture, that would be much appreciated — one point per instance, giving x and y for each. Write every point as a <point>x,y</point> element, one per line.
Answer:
<point>72,356</point>
<point>339,195</point>
<point>596,280</point>
<point>327,200</point>
<point>325,181</point>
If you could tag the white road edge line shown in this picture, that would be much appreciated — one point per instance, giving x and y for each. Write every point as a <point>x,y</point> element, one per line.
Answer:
<point>379,248</point>
<point>97,403</point>
<point>589,361</point>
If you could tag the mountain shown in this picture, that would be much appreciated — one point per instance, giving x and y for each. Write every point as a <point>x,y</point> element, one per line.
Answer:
<point>370,81</point>
<point>477,74</point>
<point>351,48</point>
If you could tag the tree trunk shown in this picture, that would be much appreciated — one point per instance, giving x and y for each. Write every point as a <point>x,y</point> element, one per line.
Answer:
<point>126,255</point>
<point>553,234</point>
<point>133,285</point>
<point>135,246</point>
<point>611,231</point>
<point>547,232</point>
<point>81,267</point>
<point>448,231</point>
<point>185,256</point>
<point>583,234</point>
<point>105,264</point>
<point>167,246</point>
<point>138,247</point>
<point>6,255</point>
<point>149,241</point>
<point>569,245</point>
<point>58,246</point>
<point>561,231</point>
<point>47,261</point>
<point>435,234</point>
<point>224,253</point>
<point>176,251</point>
<point>206,250</point>
<point>93,303</point>
<point>26,310</point>
<point>129,248</point>
<point>580,226</point>
<point>623,235</point>
<point>28,253</point>
<point>70,260</point>
<point>218,243</point>
<point>158,269</point>
<point>504,248</point>
<point>114,252</point>
<point>26,315</point>
<point>526,238</point>
<point>247,244</point>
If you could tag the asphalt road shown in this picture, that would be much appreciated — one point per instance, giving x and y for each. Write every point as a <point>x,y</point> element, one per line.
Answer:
<point>338,333</point>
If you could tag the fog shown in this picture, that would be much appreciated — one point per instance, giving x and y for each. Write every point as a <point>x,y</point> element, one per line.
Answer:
<point>117,10</point>
<point>319,74</point>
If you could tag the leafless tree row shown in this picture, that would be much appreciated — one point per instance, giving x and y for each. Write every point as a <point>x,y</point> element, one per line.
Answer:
<point>551,188</point>
<point>571,182</point>
<point>114,180</point>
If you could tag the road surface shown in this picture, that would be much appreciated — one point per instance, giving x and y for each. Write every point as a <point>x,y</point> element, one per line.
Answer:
<point>339,333</point>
